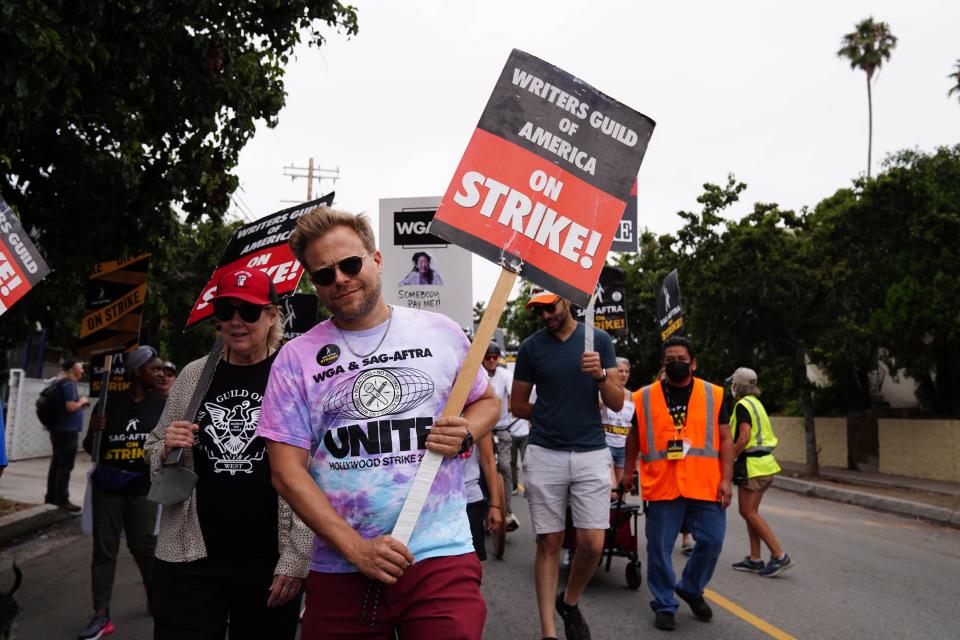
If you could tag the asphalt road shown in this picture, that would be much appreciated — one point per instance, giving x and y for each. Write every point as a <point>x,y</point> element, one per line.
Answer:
<point>859,574</point>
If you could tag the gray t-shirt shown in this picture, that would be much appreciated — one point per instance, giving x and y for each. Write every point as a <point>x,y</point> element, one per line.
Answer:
<point>566,415</point>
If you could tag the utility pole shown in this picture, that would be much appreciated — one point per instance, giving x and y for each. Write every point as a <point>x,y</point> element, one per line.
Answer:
<point>311,173</point>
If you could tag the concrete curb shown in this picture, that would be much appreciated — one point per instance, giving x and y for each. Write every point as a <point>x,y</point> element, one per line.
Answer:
<point>869,500</point>
<point>27,521</point>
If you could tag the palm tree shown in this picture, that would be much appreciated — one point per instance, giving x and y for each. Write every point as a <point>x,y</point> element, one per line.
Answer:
<point>955,76</point>
<point>866,48</point>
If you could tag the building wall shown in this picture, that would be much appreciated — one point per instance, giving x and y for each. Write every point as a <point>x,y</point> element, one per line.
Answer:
<point>915,448</point>
<point>921,448</point>
<point>831,440</point>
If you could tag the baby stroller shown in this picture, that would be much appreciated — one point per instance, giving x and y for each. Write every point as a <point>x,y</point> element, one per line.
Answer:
<point>620,540</point>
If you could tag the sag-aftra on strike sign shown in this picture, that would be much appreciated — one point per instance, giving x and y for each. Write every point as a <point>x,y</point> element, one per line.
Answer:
<point>546,177</point>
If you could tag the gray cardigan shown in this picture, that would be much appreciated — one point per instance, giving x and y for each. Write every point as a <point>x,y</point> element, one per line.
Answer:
<point>181,539</point>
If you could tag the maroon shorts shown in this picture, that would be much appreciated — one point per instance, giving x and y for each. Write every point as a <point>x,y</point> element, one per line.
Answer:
<point>435,598</point>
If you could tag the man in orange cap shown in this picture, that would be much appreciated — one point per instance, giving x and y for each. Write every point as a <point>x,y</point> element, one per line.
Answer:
<point>567,460</point>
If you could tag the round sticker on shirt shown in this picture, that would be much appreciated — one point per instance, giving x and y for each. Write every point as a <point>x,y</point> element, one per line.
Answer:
<point>376,392</point>
<point>328,354</point>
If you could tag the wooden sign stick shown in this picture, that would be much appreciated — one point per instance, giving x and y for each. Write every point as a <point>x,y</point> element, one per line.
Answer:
<point>430,464</point>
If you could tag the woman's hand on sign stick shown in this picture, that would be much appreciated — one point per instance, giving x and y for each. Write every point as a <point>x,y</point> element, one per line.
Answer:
<point>282,590</point>
<point>179,434</point>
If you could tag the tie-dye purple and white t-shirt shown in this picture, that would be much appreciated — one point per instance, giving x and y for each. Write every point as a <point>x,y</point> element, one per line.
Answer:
<point>365,421</point>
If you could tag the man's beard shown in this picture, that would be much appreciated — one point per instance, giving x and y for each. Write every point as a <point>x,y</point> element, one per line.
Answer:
<point>371,296</point>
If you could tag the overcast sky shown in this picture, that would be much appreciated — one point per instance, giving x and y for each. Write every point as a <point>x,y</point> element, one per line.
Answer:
<point>754,88</point>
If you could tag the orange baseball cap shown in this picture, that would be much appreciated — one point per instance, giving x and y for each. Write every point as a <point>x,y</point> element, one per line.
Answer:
<point>539,295</point>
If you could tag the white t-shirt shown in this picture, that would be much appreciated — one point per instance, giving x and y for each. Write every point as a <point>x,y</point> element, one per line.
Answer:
<point>500,382</point>
<point>616,424</point>
<point>470,468</point>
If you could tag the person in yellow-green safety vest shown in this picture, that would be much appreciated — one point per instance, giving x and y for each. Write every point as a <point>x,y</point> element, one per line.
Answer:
<point>753,472</point>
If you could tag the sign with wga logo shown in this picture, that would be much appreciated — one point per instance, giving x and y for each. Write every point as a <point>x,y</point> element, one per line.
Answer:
<point>420,270</point>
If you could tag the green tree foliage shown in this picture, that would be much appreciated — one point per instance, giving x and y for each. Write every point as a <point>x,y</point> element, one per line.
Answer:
<point>890,249</point>
<point>866,47</point>
<point>112,113</point>
<point>955,77</point>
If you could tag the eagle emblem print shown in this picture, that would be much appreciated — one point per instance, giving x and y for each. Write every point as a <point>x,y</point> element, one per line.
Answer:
<point>233,429</point>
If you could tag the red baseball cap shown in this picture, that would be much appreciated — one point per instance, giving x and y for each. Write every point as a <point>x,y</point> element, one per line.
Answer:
<point>249,285</point>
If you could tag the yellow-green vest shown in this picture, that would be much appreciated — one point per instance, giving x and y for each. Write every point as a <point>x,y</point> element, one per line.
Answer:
<point>759,451</point>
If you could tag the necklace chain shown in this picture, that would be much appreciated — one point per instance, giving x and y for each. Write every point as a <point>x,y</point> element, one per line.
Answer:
<point>379,344</point>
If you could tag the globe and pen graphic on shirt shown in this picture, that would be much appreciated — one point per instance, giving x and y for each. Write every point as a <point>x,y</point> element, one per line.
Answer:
<point>378,392</point>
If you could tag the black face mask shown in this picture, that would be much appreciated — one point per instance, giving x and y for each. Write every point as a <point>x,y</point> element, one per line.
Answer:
<point>678,370</point>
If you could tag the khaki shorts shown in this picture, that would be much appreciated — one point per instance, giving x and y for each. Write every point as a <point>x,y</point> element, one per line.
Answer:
<point>759,483</point>
<point>553,479</point>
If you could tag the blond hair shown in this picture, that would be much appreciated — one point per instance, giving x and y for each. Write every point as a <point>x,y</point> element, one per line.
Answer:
<point>321,220</point>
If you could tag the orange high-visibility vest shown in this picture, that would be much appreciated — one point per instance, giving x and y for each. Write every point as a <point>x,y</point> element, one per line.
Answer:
<point>697,476</point>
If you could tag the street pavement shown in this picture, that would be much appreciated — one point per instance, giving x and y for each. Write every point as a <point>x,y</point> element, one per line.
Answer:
<point>859,574</point>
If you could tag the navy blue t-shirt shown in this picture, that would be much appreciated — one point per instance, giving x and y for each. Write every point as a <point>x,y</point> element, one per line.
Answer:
<point>566,415</point>
<point>69,421</point>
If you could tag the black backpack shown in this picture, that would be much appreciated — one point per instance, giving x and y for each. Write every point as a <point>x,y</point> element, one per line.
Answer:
<point>50,404</point>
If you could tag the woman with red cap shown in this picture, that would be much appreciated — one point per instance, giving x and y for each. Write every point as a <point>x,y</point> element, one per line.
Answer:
<point>233,554</point>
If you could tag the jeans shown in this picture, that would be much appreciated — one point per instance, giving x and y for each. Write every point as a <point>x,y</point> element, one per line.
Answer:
<point>115,512</point>
<point>65,445</point>
<point>707,522</point>
<point>518,449</point>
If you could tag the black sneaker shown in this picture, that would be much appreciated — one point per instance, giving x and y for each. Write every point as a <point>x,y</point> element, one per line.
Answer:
<point>776,566</point>
<point>699,606</point>
<point>574,626</point>
<point>751,566</point>
<point>664,620</point>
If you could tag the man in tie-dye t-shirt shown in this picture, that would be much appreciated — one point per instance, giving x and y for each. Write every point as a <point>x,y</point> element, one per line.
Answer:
<point>349,411</point>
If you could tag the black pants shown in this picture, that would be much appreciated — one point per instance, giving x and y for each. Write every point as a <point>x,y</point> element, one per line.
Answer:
<point>195,600</point>
<point>113,512</point>
<point>65,444</point>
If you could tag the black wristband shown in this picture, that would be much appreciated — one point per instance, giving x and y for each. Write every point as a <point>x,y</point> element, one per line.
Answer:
<point>466,444</point>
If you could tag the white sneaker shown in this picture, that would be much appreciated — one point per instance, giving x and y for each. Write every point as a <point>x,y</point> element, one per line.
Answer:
<point>512,523</point>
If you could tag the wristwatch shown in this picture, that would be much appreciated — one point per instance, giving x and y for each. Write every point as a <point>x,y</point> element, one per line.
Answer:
<point>602,378</point>
<point>466,444</point>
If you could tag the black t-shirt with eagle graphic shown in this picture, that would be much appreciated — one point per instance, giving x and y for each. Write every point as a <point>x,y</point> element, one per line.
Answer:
<point>236,503</point>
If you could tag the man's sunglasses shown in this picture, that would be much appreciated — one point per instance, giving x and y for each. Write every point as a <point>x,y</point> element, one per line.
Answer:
<point>324,276</point>
<point>491,356</point>
<point>540,309</point>
<point>223,310</point>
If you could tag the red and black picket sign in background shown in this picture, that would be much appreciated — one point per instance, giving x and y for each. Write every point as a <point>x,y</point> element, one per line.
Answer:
<point>546,177</point>
<point>21,265</point>
<point>262,244</point>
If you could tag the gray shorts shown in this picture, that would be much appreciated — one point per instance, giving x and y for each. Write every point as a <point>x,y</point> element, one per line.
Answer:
<point>555,478</point>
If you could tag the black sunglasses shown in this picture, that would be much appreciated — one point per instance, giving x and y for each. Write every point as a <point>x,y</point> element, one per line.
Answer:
<point>540,309</point>
<point>223,310</point>
<point>324,276</point>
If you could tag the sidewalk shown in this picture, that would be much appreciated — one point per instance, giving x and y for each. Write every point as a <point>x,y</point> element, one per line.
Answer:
<point>26,481</point>
<point>928,499</point>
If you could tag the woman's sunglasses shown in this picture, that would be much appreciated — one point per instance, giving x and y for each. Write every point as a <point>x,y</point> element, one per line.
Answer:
<point>324,276</point>
<point>540,309</point>
<point>223,310</point>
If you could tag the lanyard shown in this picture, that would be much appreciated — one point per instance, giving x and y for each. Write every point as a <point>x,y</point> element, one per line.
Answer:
<point>681,427</point>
